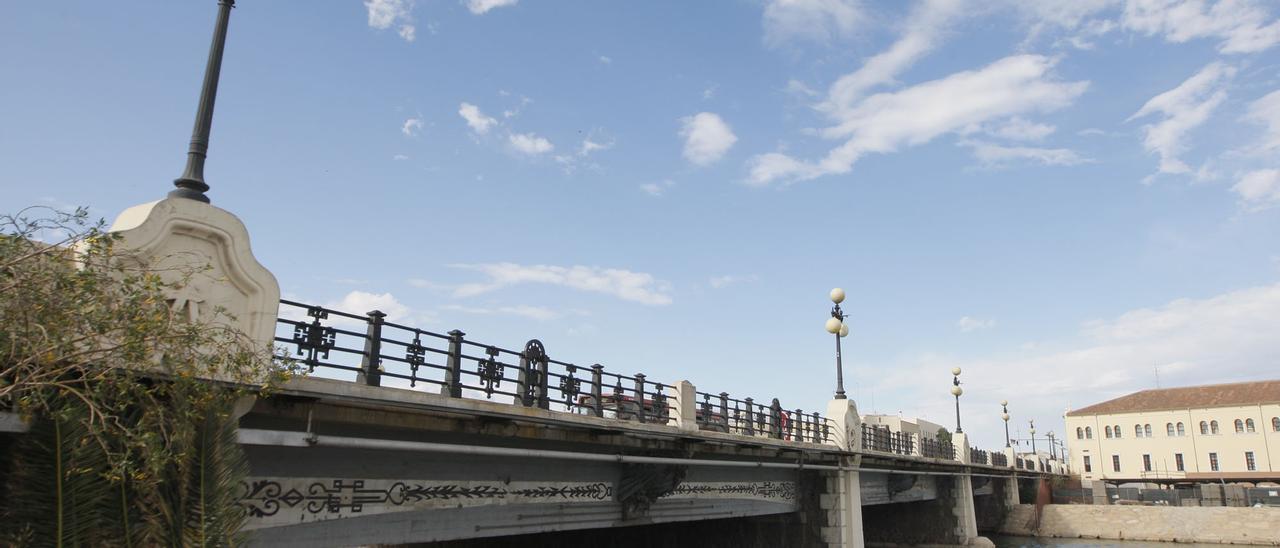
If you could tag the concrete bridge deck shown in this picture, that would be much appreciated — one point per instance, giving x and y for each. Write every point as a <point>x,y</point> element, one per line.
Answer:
<point>337,463</point>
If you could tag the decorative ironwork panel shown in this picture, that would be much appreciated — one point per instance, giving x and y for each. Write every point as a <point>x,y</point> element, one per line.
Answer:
<point>490,371</point>
<point>314,340</point>
<point>415,354</point>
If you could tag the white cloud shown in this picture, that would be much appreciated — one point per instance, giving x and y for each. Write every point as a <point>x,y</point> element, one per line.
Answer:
<point>885,122</point>
<point>1266,111</point>
<point>706,138</point>
<point>529,143</point>
<point>817,20</point>
<point>922,34</point>
<point>525,311</point>
<point>384,14</point>
<point>657,189</point>
<point>1184,108</point>
<point>411,127</point>
<point>605,60</point>
<point>400,157</point>
<point>627,285</point>
<point>1240,24</point>
<point>408,32</point>
<point>1020,129</point>
<point>1259,189</point>
<point>589,146</point>
<point>995,155</point>
<point>361,302</point>
<point>721,282</point>
<point>967,324</point>
<point>480,7</point>
<point>478,122</point>
<point>1223,338</point>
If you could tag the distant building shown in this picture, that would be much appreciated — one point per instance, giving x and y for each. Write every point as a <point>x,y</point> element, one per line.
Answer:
<point>920,427</point>
<point>1220,432</point>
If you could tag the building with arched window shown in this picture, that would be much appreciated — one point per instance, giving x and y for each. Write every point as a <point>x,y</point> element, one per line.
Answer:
<point>1239,424</point>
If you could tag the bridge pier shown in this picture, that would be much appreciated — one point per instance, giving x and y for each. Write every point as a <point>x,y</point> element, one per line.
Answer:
<point>842,501</point>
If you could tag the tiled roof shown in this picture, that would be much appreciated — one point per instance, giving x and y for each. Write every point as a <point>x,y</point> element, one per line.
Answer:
<point>1188,397</point>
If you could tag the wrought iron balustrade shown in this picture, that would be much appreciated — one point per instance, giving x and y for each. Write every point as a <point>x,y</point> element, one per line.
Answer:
<point>877,437</point>
<point>370,350</point>
<point>999,459</point>
<point>1022,464</point>
<point>978,456</point>
<point>937,449</point>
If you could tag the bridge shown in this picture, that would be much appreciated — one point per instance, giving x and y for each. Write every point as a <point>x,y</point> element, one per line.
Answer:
<point>400,435</point>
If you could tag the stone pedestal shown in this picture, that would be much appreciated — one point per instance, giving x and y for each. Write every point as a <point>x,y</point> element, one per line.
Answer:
<point>684,397</point>
<point>176,236</point>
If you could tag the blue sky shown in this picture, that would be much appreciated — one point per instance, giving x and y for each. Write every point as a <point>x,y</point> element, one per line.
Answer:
<point>1059,197</point>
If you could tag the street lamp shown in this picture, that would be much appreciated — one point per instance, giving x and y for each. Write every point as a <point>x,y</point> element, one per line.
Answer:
<point>1004,415</point>
<point>956,391</point>
<point>837,327</point>
<point>1033,436</point>
<point>1053,453</point>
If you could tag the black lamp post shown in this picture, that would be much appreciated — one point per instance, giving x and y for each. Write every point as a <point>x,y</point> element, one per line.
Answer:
<point>1004,415</point>
<point>837,327</point>
<point>1033,436</point>
<point>956,391</point>
<point>191,184</point>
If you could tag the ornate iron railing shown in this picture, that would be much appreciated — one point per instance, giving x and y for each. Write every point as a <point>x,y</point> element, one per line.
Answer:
<point>978,456</point>
<point>370,350</point>
<point>937,449</point>
<point>881,438</point>
<point>999,459</point>
<point>1021,464</point>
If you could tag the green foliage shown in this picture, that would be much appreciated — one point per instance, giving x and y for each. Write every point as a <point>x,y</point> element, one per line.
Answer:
<point>944,435</point>
<point>116,385</point>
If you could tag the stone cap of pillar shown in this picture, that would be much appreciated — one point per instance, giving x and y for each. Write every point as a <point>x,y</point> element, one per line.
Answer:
<point>685,396</point>
<point>960,441</point>
<point>177,235</point>
<point>846,425</point>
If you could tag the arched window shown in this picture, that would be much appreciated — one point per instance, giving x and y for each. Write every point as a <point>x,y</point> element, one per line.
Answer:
<point>1137,430</point>
<point>1182,431</point>
<point>1213,427</point>
<point>1146,430</point>
<point>1239,426</point>
<point>1108,432</point>
<point>1248,425</point>
<point>1088,432</point>
<point>1275,424</point>
<point>1116,429</point>
<point>1168,430</point>
<point>1204,428</point>
<point>1079,433</point>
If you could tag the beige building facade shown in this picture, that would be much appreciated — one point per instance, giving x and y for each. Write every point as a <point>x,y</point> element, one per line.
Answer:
<point>1224,432</point>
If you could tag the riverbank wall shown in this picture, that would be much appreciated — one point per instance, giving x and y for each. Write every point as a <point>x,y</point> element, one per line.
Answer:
<point>1223,525</point>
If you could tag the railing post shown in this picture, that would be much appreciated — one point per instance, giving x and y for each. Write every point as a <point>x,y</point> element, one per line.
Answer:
<point>819,428</point>
<point>370,365</point>
<point>724,407</point>
<point>597,389</point>
<point>751,427</point>
<point>453,366</point>
<point>640,396</point>
<point>798,422</point>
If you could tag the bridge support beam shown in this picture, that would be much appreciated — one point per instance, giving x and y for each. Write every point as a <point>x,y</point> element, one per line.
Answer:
<point>843,499</point>
<point>966,515</point>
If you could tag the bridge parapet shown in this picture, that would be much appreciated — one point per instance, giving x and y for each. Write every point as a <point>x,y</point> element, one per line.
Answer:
<point>372,351</point>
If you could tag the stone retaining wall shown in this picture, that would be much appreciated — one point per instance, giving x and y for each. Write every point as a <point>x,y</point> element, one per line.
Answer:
<point>1257,526</point>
